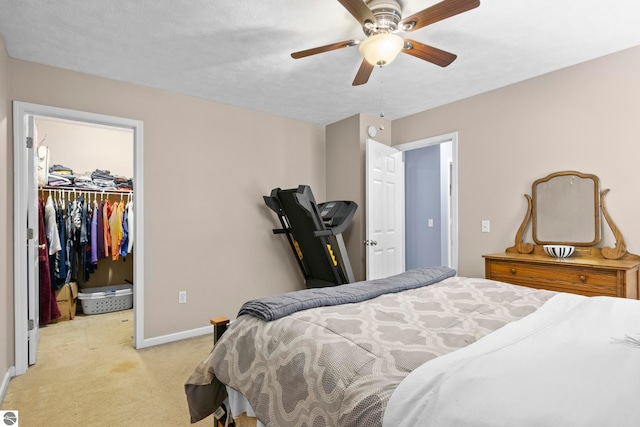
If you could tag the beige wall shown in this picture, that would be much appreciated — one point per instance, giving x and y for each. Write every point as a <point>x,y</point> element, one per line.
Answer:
<point>582,118</point>
<point>346,145</point>
<point>6,215</point>
<point>206,168</point>
<point>343,170</point>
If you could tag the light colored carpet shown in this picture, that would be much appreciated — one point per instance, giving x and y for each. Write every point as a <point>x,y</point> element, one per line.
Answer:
<point>88,374</point>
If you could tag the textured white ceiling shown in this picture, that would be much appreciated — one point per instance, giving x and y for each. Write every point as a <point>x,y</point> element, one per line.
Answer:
<point>238,52</point>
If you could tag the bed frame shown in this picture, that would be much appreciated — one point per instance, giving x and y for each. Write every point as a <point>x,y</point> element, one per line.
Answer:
<point>219,326</point>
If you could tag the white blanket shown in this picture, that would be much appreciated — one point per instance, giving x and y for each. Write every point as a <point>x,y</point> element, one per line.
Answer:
<point>563,365</point>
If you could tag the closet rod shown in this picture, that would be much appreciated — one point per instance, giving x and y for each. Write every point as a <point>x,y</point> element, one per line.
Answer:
<point>79,190</point>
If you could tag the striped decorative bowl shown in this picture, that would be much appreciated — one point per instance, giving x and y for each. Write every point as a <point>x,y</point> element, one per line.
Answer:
<point>559,251</point>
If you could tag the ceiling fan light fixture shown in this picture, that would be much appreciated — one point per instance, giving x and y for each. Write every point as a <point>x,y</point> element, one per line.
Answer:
<point>381,49</point>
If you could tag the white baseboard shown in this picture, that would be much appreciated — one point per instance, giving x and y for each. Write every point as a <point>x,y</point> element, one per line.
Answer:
<point>5,381</point>
<point>165,339</point>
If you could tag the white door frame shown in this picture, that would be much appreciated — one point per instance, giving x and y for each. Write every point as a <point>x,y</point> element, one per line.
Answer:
<point>453,137</point>
<point>20,111</point>
<point>30,200</point>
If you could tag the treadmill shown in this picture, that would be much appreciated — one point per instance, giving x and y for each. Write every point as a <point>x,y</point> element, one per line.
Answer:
<point>314,232</point>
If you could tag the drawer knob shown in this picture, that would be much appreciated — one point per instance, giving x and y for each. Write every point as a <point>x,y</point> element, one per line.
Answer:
<point>513,271</point>
<point>583,278</point>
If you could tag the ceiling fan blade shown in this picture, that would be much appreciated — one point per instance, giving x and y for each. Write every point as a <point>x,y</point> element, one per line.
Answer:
<point>428,53</point>
<point>359,10</point>
<point>363,73</point>
<point>437,12</point>
<point>326,48</point>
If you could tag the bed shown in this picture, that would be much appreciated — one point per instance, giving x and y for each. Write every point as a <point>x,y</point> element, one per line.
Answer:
<point>426,347</point>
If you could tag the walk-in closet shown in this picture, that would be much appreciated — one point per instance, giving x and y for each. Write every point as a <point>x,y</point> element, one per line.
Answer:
<point>85,191</point>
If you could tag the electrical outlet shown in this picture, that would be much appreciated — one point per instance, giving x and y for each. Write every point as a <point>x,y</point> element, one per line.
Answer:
<point>182,297</point>
<point>486,226</point>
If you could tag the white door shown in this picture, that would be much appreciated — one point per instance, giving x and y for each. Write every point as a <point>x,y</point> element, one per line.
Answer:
<point>33,266</point>
<point>385,210</point>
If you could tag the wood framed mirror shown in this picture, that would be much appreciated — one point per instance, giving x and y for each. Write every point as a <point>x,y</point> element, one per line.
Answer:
<point>566,209</point>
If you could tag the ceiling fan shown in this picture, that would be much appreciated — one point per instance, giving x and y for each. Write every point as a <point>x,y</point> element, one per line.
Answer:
<point>381,20</point>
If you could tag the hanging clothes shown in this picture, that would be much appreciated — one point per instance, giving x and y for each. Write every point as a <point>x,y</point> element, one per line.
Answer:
<point>61,256</point>
<point>48,304</point>
<point>115,227</point>
<point>86,231</point>
<point>100,232</point>
<point>106,213</point>
<point>130,226</point>
<point>51,227</point>
<point>53,240</point>
<point>124,243</point>
<point>94,234</point>
<point>85,240</point>
<point>72,260</point>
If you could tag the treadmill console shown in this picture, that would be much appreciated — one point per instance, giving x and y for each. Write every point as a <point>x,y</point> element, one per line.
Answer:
<point>335,213</point>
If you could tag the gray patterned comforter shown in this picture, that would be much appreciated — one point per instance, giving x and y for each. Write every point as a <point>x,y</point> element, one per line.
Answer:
<point>277,306</point>
<point>339,365</point>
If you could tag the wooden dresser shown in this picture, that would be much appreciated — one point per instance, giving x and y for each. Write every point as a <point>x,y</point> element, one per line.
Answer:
<point>585,272</point>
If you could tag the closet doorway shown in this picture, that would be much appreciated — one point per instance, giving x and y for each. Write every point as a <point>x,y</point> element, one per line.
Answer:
<point>86,142</point>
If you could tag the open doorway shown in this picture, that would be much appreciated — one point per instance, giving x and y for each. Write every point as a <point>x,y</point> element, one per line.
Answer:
<point>75,141</point>
<point>386,205</point>
<point>93,162</point>
<point>431,208</point>
<point>428,173</point>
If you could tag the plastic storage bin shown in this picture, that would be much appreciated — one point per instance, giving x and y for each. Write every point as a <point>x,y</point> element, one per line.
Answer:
<point>106,299</point>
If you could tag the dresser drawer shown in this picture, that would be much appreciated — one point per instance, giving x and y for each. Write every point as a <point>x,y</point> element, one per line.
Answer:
<point>557,277</point>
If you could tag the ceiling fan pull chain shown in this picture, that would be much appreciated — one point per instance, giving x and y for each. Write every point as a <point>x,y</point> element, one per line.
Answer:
<point>381,100</point>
